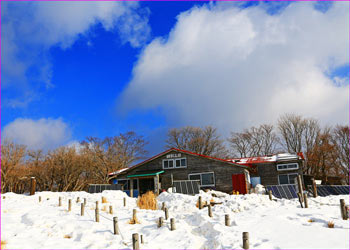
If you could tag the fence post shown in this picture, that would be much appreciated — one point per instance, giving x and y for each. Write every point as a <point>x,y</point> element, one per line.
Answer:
<point>172,224</point>
<point>70,205</point>
<point>78,200</point>
<point>124,201</point>
<point>141,238</point>
<point>342,209</point>
<point>163,205</point>
<point>97,215</point>
<point>59,201</point>
<point>160,222</point>
<point>32,185</point>
<point>166,213</point>
<point>96,205</point>
<point>115,225</point>
<point>305,200</point>
<point>270,195</point>
<point>245,240</point>
<point>135,241</point>
<point>134,215</point>
<point>111,209</point>
<point>39,198</point>
<point>347,212</point>
<point>300,196</point>
<point>314,187</point>
<point>200,202</point>
<point>227,220</point>
<point>84,201</point>
<point>82,207</point>
<point>300,186</point>
<point>210,213</point>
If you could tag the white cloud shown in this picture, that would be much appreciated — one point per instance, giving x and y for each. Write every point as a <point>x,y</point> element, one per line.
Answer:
<point>30,29</point>
<point>38,134</point>
<point>234,68</point>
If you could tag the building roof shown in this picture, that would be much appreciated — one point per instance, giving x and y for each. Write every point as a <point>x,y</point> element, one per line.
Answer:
<point>247,161</point>
<point>182,151</point>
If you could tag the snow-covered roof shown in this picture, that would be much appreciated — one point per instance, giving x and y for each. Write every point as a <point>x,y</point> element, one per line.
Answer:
<point>269,158</point>
<point>118,171</point>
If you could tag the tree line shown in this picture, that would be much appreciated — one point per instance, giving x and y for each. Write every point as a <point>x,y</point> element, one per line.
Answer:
<point>67,168</point>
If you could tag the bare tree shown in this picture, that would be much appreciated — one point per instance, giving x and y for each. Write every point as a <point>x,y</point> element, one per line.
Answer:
<point>204,141</point>
<point>292,128</point>
<point>112,153</point>
<point>256,141</point>
<point>12,159</point>
<point>340,139</point>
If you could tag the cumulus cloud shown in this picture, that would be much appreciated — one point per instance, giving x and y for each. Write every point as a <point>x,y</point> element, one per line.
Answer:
<point>30,29</point>
<point>45,133</point>
<point>234,68</point>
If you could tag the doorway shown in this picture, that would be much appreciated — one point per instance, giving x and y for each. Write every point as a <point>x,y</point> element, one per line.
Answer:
<point>146,184</point>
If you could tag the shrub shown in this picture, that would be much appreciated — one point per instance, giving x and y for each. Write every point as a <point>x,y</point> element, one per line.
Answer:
<point>3,244</point>
<point>147,201</point>
<point>330,224</point>
<point>311,220</point>
<point>104,200</point>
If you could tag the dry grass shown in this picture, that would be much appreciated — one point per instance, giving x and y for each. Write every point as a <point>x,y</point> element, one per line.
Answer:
<point>203,203</point>
<point>67,236</point>
<point>104,200</point>
<point>330,224</point>
<point>132,221</point>
<point>147,201</point>
<point>311,220</point>
<point>3,244</point>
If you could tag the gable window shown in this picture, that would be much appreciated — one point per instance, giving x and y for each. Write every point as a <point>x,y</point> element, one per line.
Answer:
<point>206,179</point>
<point>174,163</point>
<point>284,179</point>
<point>288,166</point>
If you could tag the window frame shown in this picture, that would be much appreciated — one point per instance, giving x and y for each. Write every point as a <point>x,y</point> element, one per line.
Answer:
<point>278,177</point>
<point>174,163</point>
<point>286,164</point>
<point>200,179</point>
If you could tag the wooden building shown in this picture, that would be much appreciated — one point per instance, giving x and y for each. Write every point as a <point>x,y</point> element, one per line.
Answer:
<point>279,169</point>
<point>159,172</point>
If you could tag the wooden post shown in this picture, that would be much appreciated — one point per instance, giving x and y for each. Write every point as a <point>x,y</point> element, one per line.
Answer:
<point>135,241</point>
<point>347,212</point>
<point>82,207</point>
<point>245,240</point>
<point>134,215</point>
<point>131,188</point>
<point>200,202</point>
<point>111,209</point>
<point>124,201</point>
<point>115,225</point>
<point>210,213</point>
<point>300,196</point>
<point>97,215</point>
<point>300,185</point>
<point>39,198</point>
<point>78,199</point>
<point>342,209</point>
<point>59,201</point>
<point>70,205</point>
<point>166,213</point>
<point>96,205</point>
<point>84,201</point>
<point>305,200</point>
<point>227,220</point>
<point>163,205</point>
<point>32,185</point>
<point>141,238</point>
<point>156,184</point>
<point>270,195</point>
<point>314,187</point>
<point>172,224</point>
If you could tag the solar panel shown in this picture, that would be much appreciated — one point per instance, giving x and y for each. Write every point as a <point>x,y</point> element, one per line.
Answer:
<point>326,190</point>
<point>283,191</point>
<point>186,187</point>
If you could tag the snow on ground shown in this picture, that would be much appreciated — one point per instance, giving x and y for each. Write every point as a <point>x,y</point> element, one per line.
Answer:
<point>28,224</point>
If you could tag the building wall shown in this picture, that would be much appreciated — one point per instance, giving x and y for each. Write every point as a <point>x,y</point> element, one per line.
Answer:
<point>195,164</point>
<point>269,174</point>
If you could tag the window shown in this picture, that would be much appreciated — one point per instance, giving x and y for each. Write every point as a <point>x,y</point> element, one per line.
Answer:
<point>180,163</point>
<point>174,163</point>
<point>288,166</point>
<point>207,179</point>
<point>284,179</point>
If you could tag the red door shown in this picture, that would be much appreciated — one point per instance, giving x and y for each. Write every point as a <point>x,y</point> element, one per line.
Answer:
<point>239,184</point>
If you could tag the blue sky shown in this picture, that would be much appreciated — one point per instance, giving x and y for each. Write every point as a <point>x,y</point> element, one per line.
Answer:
<point>101,73</point>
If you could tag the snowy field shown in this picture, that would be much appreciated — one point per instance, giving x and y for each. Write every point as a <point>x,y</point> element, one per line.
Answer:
<point>28,224</point>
